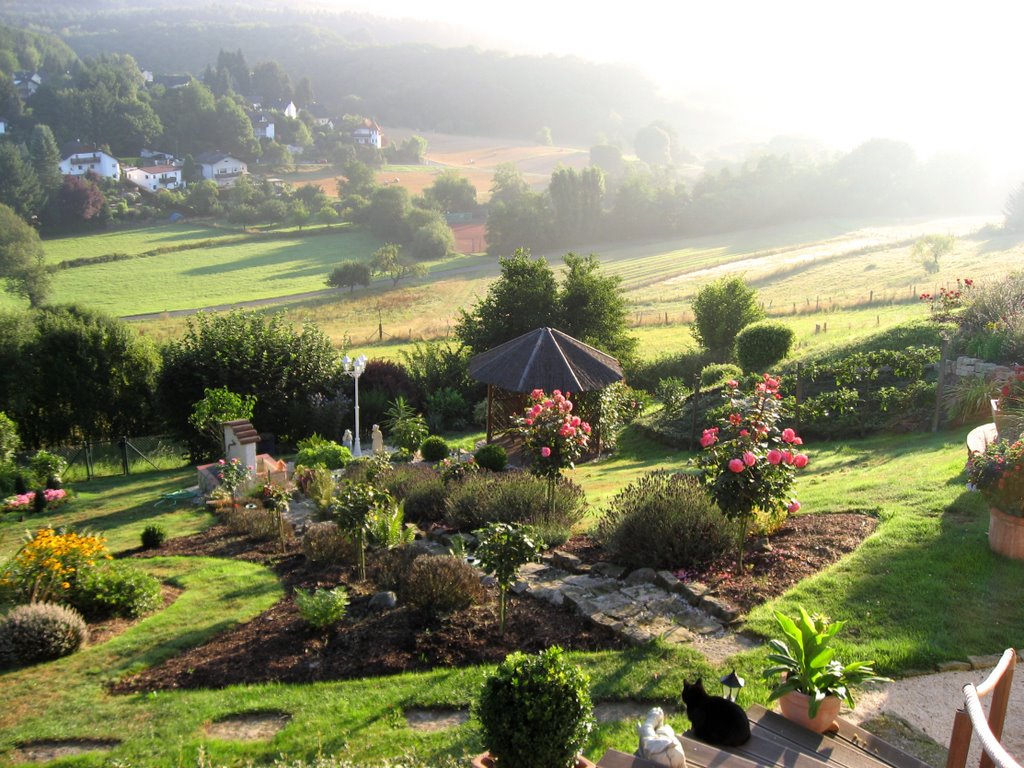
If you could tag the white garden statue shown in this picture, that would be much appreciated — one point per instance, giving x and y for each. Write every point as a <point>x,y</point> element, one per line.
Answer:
<point>658,742</point>
<point>346,439</point>
<point>377,441</point>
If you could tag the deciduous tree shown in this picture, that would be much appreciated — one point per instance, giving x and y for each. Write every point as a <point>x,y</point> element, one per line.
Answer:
<point>21,258</point>
<point>721,310</point>
<point>350,274</point>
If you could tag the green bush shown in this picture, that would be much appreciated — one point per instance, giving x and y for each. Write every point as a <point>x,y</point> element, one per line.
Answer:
<point>434,448</point>
<point>442,584</point>
<point>646,375</point>
<point>447,410</point>
<point>317,484</point>
<point>762,345</point>
<point>426,502</point>
<point>45,465</point>
<point>322,607</point>
<point>492,457</point>
<point>717,374</point>
<point>327,543</point>
<point>664,521</point>
<point>516,497</point>
<point>536,710</point>
<point>153,536</point>
<point>391,566</point>
<point>386,526</point>
<point>721,309</point>
<point>40,632</point>
<point>115,589</point>
<point>260,523</point>
<point>9,438</point>
<point>318,451</point>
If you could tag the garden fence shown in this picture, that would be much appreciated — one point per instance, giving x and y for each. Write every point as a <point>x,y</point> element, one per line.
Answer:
<point>123,456</point>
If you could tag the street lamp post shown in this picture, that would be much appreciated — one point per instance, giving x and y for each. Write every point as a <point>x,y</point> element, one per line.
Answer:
<point>355,368</point>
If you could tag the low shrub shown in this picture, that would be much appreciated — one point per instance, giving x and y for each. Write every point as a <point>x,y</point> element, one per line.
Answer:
<point>318,451</point>
<point>40,632</point>
<point>717,374</point>
<point>49,565</point>
<point>516,497</point>
<point>434,448</point>
<point>260,523</point>
<point>426,502</point>
<point>318,485</point>
<point>664,520</point>
<point>446,410</point>
<point>116,589</point>
<point>322,607</point>
<point>492,457</point>
<point>327,543</point>
<point>646,374</point>
<point>153,536</point>
<point>442,584</point>
<point>386,526</point>
<point>536,709</point>
<point>401,479</point>
<point>763,344</point>
<point>46,465</point>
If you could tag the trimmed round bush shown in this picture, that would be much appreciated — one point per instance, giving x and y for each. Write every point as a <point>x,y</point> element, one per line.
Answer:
<point>761,345</point>
<point>391,566</point>
<point>716,374</point>
<point>426,502</point>
<point>153,536</point>
<point>536,710</point>
<point>327,543</point>
<point>434,448</point>
<point>40,632</point>
<point>115,589</point>
<point>664,521</point>
<point>492,457</point>
<point>322,607</point>
<point>442,584</point>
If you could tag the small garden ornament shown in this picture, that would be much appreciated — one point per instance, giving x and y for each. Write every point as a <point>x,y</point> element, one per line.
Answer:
<point>658,742</point>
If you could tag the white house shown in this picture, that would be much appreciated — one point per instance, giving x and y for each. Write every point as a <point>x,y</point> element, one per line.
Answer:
<point>3,126</point>
<point>221,167</point>
<point>369,134</point>
<point>287,108</point>
<point>155,177</point>
<point>27,83</point>
<point>263,126</point>
<point>78,159</point>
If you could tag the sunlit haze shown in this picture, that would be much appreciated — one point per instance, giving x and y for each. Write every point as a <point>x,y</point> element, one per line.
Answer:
<point>938,75</point>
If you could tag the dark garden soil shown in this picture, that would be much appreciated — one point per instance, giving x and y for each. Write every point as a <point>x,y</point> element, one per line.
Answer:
<point>278,646</point>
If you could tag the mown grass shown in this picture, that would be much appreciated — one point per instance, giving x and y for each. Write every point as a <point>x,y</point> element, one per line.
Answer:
<point>129,241</point>
<point>923,588</point>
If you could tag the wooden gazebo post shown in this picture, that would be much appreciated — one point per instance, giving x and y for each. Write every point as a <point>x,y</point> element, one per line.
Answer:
<point>490,413</point>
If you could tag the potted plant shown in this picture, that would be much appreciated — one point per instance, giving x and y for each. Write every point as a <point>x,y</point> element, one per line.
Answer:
<point>813,683</point>
<point>998,474</point>
<point>1008,405</point>
<point>536,713</point>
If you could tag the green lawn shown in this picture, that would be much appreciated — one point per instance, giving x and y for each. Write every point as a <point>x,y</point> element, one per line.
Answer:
<point>130,241</point>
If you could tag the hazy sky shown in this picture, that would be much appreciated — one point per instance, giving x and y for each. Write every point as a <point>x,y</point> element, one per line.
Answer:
<point>939,74</point>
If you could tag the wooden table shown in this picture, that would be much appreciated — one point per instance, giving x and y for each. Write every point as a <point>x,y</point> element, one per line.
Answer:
<point>775,741</point>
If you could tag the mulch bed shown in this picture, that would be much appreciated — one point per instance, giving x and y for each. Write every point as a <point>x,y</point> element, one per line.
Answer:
<point>278,646</point>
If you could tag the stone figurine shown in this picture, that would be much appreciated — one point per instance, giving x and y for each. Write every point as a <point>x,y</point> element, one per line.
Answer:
<point>377,441</point>
<point>346,439</point>
<point>658,742</point>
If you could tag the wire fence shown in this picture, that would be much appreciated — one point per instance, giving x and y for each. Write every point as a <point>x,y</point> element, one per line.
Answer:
<point>124,456</point>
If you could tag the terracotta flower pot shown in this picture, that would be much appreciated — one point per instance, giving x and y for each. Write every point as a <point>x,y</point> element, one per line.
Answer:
<point>486,761</point>
<point>1005,534</point>
<point>795,706</point>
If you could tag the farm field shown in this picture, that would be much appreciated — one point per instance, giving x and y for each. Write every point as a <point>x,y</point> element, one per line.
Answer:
<point>130,241</point>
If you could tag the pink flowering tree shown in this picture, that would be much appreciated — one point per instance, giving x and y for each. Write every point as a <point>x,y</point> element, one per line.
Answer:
<point>750,461</point>
<point>554,438</point>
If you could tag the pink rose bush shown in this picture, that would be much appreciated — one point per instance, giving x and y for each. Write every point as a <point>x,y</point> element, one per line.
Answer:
<point>554,439</point>
<point>749,462</point>
<point>24,502</point>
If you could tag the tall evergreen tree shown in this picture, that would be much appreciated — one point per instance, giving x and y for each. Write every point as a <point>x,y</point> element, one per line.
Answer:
<point>43,150</point>
<point>19,185</point>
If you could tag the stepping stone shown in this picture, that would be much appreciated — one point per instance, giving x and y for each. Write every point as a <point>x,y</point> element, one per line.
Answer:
<point>432,720</point>
<point>701,624</point>
<point>642,576</point>
<point>45,750</point>
<point>643,592</point>
<point>249,726</point>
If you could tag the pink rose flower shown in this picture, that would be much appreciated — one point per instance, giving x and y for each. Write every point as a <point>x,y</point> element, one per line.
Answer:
<point>774,456</point>
<point>537,394</point>
<point>708,439</point>
<point>749,459</point>
<point>798,441</point>
<point>800,461</point>
<point>732,383</point>
<point>545,452</point>
<point>744,433</point>
<point>788,435</point>
<point>794,506</point>
<point>529,422</point>
<point>736,465</point>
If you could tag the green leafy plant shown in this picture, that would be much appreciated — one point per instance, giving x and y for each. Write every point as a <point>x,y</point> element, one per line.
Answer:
<point>217,406</point>
<point>318,451</point>
<point>46,465</point>
<point>407,428</point>
<point>353,508</point>
<point>806,660</point>
<point>322,607</point>
<point>115,589</point>
<point>761,345</point>
<point>40,632</point>
<point>502,550</point>
<point>492,457</point>
<point>535,710</point>
<point>386,526</point>
<point>153,536</point>
<point>998,474</point>
<point>434,448</point>
<point>234,476</point>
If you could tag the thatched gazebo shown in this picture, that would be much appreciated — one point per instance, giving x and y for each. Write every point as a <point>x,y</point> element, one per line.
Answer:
<point>544,358</point>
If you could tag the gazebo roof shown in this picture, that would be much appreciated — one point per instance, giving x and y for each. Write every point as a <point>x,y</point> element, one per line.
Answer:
<point>547,359</point>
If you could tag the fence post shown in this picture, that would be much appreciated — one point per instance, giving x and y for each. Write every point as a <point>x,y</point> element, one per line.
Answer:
<point>89,471</point>
<point>123,445</point>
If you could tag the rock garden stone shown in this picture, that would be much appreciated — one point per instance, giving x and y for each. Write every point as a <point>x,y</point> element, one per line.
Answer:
<point>642,576</point>
<point>383,601</point>
<point>609,569</point>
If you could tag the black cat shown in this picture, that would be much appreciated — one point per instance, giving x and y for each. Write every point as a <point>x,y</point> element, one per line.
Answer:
<point>715,720</point>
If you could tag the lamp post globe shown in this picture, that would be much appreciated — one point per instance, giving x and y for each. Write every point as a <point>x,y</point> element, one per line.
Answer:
<point>355,368</point>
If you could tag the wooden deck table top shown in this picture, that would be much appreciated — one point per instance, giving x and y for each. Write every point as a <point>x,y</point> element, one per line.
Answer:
<point>775,741</point>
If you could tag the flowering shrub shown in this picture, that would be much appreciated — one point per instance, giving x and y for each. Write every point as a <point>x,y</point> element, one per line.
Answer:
<point>24,502</point>
<point>944,304</point>
<point>452,469</point>
<point>554,438</point>
<point>998,473</point>
<point>749,462</point>
<point>233,475</point>
<point>49,563</point>
<point>1010,393</point>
